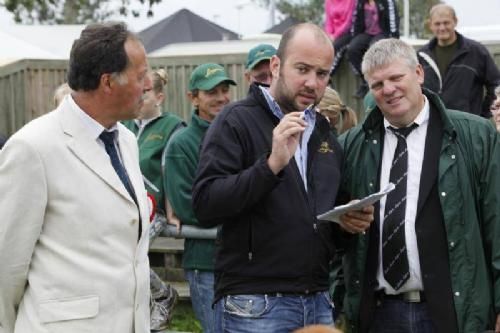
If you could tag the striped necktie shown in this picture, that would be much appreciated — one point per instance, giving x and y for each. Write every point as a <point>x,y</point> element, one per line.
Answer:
<point>394,255</point>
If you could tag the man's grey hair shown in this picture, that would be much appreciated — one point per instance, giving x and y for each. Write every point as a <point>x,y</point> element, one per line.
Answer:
<point>121,78</point>
<point>386,51</point>
<point>497,91</point>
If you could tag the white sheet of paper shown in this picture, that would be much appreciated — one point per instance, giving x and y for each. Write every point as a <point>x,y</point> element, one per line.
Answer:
<point>334,214</point>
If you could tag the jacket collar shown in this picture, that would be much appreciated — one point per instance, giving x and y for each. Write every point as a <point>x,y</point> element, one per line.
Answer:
<point>256,94</point>
<point>198,123</point>
<point>462,44</point>
<point>87,149</point>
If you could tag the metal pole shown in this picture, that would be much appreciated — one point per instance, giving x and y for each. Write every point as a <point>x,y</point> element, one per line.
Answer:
<point>160,226</point>
<point>189,231</point>
<point>272,8</point>
<point>406,14</point>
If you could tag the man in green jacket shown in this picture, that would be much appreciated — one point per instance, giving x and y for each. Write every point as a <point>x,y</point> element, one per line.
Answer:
<point>445,273</point>
<point>208,92</point>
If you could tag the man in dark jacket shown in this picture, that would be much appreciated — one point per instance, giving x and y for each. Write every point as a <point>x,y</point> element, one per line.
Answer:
<point>459,69</point>
<point>268,166</point>
<point>431,260</point>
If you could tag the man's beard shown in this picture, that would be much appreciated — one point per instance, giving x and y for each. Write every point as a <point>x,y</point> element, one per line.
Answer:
<point>286,99</point>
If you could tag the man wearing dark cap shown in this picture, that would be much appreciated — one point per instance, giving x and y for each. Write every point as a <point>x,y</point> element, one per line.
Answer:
<point>257,66</point>
<point>208,92</point>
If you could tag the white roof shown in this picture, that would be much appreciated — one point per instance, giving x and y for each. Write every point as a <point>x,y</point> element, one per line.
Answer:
<point>14,49</point>
<point>55,39</point>
<point>482,33</point>
<point>216,47</point>
<point>232,46</point>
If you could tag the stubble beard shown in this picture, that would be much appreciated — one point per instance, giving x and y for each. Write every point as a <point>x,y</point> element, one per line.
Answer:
<point>284,97</point>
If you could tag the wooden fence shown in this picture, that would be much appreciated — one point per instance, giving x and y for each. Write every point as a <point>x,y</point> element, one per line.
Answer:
<point>27,86</point>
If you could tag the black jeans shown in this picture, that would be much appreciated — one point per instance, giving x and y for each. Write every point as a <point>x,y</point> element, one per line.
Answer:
<point>340,45</point>
<point>395,316</point>
<point>357,48</point>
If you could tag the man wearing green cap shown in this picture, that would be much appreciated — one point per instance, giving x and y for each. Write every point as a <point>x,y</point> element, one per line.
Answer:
<point>257,66</point>
<point>208,92</point>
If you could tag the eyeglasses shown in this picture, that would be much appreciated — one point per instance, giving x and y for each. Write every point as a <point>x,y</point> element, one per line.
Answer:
<point>262,77</point>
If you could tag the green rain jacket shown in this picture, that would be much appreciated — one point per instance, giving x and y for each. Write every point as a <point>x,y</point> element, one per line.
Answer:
<point>469,187</point>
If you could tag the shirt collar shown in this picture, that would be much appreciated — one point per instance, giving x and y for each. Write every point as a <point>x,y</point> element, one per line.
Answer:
<point>309,113</point>
<point>94,128</point>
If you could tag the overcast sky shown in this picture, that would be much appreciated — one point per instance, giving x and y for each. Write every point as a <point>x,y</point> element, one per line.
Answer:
<point>246,18</point>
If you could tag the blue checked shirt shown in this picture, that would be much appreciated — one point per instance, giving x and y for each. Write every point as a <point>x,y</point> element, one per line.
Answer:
<point>310,119</point>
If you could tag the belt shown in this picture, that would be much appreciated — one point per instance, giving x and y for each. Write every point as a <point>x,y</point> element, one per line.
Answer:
<point>293,294</point>
<point>413,296</point>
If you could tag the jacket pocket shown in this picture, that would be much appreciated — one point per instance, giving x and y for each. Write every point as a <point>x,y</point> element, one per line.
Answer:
<point>69,308</point>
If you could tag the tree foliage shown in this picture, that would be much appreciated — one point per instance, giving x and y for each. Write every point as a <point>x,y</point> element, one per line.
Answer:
<point>72,11</point>
<point>419,12</point>
<point>301,11</point>
<point>313,11</point>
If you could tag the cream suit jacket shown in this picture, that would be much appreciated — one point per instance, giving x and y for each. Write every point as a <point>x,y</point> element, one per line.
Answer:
<point>70,259</point>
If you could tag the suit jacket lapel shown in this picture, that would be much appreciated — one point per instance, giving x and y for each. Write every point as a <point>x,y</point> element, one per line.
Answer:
<point>430,164</point>
<point>88,150</point>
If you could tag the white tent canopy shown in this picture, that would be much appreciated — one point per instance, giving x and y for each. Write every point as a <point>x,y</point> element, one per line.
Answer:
<point>485,33</point>
<point>216,47</point>
<point>14,49</point>
<point>54,39</point>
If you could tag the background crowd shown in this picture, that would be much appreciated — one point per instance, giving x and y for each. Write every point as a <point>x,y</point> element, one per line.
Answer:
<point>107,161</point>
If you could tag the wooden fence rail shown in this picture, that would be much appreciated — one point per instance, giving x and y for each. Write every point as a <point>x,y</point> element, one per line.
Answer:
<point>27,86</point>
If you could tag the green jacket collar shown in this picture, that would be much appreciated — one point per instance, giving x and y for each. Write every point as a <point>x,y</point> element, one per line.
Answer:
<point>198,123</point>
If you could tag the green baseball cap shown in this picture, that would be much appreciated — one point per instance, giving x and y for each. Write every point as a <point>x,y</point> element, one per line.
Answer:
<point>259,53</point>
<point>207,76</point>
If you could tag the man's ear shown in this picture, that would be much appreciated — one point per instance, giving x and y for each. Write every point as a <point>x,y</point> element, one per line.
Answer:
<point>274,66</point>
<point>420,74</point>
<point>106,82</point>
<point>247,76</point>
<point>192,98</point>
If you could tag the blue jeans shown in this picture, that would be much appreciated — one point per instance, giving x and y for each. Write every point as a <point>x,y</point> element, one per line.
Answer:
<point>272,313</point>
<point>201,288</point>
<point>395,316</point>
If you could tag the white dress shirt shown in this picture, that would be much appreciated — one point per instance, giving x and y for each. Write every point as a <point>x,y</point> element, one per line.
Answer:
<point>416,147</point>
<point>94,128</point>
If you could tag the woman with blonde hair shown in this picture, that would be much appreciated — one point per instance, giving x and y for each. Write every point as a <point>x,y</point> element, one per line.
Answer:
<point>153,129</point>
<point>340,116</point>
<point>60,92</point>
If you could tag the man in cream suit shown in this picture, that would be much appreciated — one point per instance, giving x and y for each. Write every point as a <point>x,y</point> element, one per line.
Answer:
<point>73,233</point>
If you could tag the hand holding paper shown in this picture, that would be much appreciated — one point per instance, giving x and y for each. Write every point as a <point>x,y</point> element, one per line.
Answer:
<point>334,214</point>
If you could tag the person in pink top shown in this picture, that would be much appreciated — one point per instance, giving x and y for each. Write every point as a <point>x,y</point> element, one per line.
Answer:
<point>338,20</point>
<point>372,20</point>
